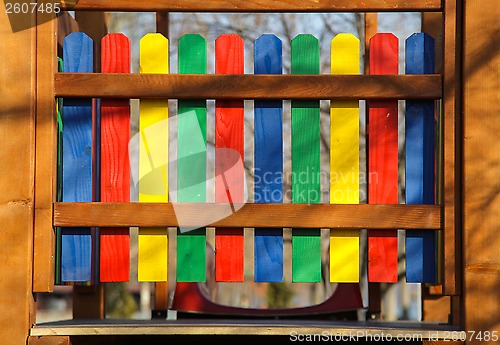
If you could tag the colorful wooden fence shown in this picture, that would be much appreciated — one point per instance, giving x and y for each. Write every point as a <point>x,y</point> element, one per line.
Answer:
<point>108,250</point>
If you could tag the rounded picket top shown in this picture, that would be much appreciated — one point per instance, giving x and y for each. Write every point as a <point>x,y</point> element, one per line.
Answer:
<point>268,55</point>
<point>78,53</point>
<point>420,54</point>
<point>229,47</point>
<point>115,52</point>
<point>384,52</point>
<point>192,50</point>
<point>345,54</point>
<point>305,54</point>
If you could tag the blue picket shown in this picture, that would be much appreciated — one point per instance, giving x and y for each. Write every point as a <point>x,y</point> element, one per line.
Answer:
<point>76,244</point>
<point>268,162</point>
<point>421,257</point>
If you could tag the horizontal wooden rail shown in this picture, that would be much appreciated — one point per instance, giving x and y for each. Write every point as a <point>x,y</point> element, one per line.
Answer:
<point>254,5</point>
<point>249,215</point>
<point>248,86</point>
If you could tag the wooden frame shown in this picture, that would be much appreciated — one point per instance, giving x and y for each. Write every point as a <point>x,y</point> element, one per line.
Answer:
<point>256,87</point>
<point>254,6</point>
<point>457,213</point>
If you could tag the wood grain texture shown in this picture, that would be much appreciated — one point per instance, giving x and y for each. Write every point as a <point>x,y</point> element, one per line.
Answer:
<point>76,247</point>
<point>17,182</point>
<point>268,162</point>
<point>245,327</point>
<point>152,243</point>
<point>306,243</point>
<point>115,166</point>
<point>229,160</point>
<point>382,141</point>
<point>451,151</point>
<point>362,216</point>
<point>57,259</point>
<point>421,246</point>
<point>192,160</point>
<point>46,154</point>
<point>249,86</point>
<point>253,5</point>
<point>344,160</point>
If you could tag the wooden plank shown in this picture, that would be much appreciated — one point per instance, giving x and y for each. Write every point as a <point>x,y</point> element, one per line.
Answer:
<point>481,168</point>
<point>268,162</point>
<point>344,161</point>
<point>192,160</point>
<point>57,259</point>
<point>382,141</point>
<point>253,6</point>
<point>254,326</point>
<point>115,169</point>
<point>153,161</point>
<point>249,86</point>
<point>76,247</point>
<point>306,243</point>
<point>229,160</point>
<point>451,193</point>
<point>371,29</point>
<point>421,246</point>
<point>88,302</point>
<point>17,171</point>
<point>249,215</point>
<point>46,154</point>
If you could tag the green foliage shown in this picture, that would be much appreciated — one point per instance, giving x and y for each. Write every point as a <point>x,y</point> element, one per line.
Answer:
<point>279,295</point>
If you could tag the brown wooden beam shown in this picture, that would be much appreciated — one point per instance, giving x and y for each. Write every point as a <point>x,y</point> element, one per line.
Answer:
<point>88,302</point>
<point>451,190</point>
<point>103,214</point>
<point>49,340</point>
<point>481,164</point>
<point>17,175</point>
<point>248,86</point>
<point>253,5</point>
<point>46,154</point>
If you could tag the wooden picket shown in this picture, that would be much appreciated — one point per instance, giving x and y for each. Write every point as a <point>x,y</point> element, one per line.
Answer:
<point>77,149</point>
<point>229,160</point>
<point>115,166</point>
<point>382,138</point>
<point>192,160</point>
<point>344,161</point>
<point>306,243</point>
<point>268,162</point>
<point>421,246</point>
<point>152,243</point>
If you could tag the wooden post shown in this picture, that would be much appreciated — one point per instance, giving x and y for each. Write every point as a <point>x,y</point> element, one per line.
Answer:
<point>46,153</point>
<point>161,300</point>
<point>481,239</point>
<point>88,302</point>
<point>451,151</point>
<point>17,176</point>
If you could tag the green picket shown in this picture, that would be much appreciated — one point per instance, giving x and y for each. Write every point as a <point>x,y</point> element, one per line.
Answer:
<point>192,161</point>
<point>306,243</point>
